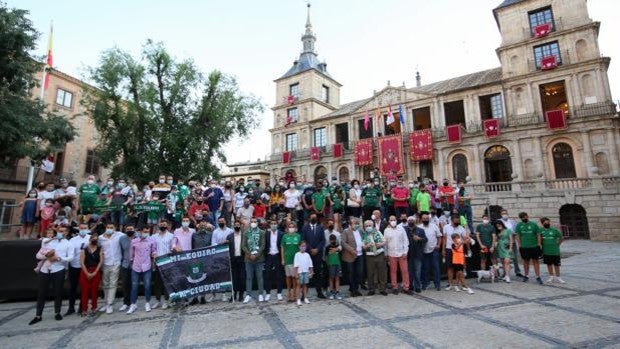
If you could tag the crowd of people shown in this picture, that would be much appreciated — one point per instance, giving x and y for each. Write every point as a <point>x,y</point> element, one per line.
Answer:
<point>289,235</point>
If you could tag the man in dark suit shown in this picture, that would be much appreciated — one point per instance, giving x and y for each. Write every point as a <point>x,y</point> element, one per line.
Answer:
<point>379,222</point>
<point>273,260</point>
<point>314,236</point>
<point>237,261</point>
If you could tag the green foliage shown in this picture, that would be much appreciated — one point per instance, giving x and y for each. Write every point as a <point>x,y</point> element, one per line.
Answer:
<point>27,131</point>
<point>159,115</point>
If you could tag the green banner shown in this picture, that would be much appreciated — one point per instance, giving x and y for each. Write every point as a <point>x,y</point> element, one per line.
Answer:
<point>148,207</point>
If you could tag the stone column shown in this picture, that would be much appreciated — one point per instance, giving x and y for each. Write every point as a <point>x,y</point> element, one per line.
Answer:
<point>614,164</point>
<point>587,154</point>
<point>518,163</point>
<point>476,165</point>
<point>574,95</point>
<point>539,158</point>
<point>441,163</point>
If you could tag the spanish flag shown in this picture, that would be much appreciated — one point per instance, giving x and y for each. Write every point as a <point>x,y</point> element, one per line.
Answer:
<point>50,60</point>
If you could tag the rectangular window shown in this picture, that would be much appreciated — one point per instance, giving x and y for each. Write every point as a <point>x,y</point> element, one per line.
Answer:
<point>363,133</point>
<point>291,115</point>
<point>342,134</point>
<point>320,137</point>
<point>92,162</point>
<point>291,142</point>
<point>539,17</point>
<point>64,98</point>
<point>491,107</point>
<point>293,90</point>
<point>8,211</point>
<point>546,50</point>
<point>454,113</point>
<point>325,94</point>
<point>422,118</point>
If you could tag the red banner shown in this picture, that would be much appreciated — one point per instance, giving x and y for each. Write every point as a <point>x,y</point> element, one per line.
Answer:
<point>556,120</point>
<point>315,153</point>
<point>491,128</point>
<point>363,152</point>
<point>548,63</point>
<point>391,155</point>
<point>286,157</point>
<point>542,30</point>
<point>453,133</point>
<point>421,145</point>
<point>338,151</point>
<point>290,100</point>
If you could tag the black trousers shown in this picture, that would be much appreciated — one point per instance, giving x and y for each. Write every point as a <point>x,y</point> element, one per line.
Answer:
<point>74,281</point>
<point>317,268</point>
<point>158,286</point>
<point>238,275</point>
<point>273,269</point>
<point>126,281</point>
<point>56,279</point>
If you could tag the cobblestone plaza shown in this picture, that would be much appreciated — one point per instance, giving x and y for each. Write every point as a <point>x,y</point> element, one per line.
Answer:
<point>584,312</point>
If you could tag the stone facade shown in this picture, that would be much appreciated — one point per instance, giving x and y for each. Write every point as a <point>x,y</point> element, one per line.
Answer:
<point>246,171</point>
<point>570,175</point>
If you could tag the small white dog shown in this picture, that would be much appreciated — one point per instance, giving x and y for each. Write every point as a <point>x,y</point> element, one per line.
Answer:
<point>490,274</point>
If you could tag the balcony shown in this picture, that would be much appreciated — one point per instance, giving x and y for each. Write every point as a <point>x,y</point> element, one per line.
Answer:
<point>524,119</point>
<point>549,185</point>
<point>595,109</point>
<point>19,175</point>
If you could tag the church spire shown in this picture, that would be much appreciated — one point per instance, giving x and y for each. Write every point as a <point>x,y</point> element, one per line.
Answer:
<point>308,38</point>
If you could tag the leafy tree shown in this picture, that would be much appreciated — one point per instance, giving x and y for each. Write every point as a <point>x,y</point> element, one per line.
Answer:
<point>27,130</point>
<point>159,115</point>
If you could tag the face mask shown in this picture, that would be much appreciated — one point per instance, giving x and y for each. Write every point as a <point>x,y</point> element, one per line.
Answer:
<point>93,242</point>
<point>410,185</point>
<point>144,235</point>
<point>393,184</point>
<point>356,186</point>
<point>110,184</point>
<point>162,228</point>
<point>291,186</point>
<point>221,225</point>
<point>120,185</point>
<point>446,214</point>
<point>330,227</point>
<point>161,181</point>
<point>356,226</point>
<point>393,224</point>
<point>524,220</point>
<point>411,224</point>
<point>251,192</point>
<point>32,195</point>
<point>313,220</point>
<point>253,225</point>
<point>546,226</point>
<point>485,221</point>
<point>186,224</point>
<point>445,184</point>
<point>246,205</point>
<point>281,184</point>
<point>404,220</point>
<point>504,216</point>
<point>237,228</point>
<point>373,217</point>
<point>170,181</point>
<point>59,235</point>
<point>369,229</point>
<point>48,204</point>
<point>198,217</point>
<point>130,233</point>
<point>84,232</point>
<point>199,202</point>
<point>274,227</point>
<point>109,231</point>
<point>302,248</point>
<point>425,222</point>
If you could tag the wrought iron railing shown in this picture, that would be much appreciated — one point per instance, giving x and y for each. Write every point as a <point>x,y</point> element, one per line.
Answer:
<point>595,109</point>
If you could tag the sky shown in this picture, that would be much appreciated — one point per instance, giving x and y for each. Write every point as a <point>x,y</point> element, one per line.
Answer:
<point>364,43</point>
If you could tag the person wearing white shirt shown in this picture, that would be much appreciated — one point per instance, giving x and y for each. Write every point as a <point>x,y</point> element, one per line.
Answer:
<point>220,234</point>
<point>397,248</point>
<point>273,260</point>
<point>304,270</point>
<point>60,253</point>
<point>48,193</point>
<point>78,243</point>
<point>291,196</point>
<point>112,257</point>
<point>430,259</point>
<point>163,245</point>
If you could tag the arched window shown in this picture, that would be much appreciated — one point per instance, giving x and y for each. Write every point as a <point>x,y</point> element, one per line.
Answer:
<point>563,161</point>
<point>581,46</point>
<point>497,164</point>
<point>459,168</point>
<point>343,174</point>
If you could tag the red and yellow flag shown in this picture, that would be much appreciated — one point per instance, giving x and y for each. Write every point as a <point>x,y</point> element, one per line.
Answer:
<point>50,58</point>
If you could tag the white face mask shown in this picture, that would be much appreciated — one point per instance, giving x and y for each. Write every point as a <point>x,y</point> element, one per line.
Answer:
<point>485,221</point>
<point>393,224</point>
<point>373,217</point>
<point>357,186</point>
<point>292,185</point>
<point>253,225</point>
<point>161,181</point>
<point>292,230</point>
<point>504,216</point>
<point>90,181</point>
<point>185,224</point>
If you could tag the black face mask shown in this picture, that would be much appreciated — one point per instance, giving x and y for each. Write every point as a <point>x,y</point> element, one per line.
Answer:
<point>425,222</point>
<point>222,225</point>
<point>411,224</point>
<point>330,227</point>
<point>546,226</point>
<point>130,233</point>
<point>199,202</point>
<point>524,220</point>
<point>313,220</point>
<point>404,220</point>
<point>237,228</point>
<point>445,184</point>
<point>162,228</point>
<point>93,242</point>
<point>227,187</point>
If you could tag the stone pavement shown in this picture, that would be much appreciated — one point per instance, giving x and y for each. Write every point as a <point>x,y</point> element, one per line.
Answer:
<point>585,312</point>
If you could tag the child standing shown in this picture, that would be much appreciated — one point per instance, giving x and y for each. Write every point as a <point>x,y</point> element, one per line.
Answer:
<point>333,265</point>
<point>458,262</point>
<point>289,246</point>
<point>30,210</point>
<point>47,215</point>
<point>551,241</point>
<point>303,271</point>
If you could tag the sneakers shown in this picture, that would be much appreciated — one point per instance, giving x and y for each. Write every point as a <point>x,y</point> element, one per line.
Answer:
<point>559,280</point>
<point>261,298</point>
<point>299,302</point>
<point>132,309</point>
<point>224,297</point>
<point>247,299</point>
<point>155,305</point>
<point>267,298</point>
<point>164,304</point>
<point>108,309</point>
<point>448,288</point>
<point>338,295</point>
<point>469,290</point>
<point>122,308</point>
<point>507,279</point>
<point>526,279</point>
<point>147,307</point>
<point>306,300</point>
<point>103,308</point>
<point>279,296</point>
<point>550,279</point>
<point>539,280</point>
<point>457,289</point>
<point>331,295</point>
<point>468,255</point>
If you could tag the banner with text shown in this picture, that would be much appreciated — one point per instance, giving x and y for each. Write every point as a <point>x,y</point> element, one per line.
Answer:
<point>192,273</point>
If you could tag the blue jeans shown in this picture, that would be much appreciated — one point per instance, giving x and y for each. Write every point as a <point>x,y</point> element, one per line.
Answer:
<point>465,210</point>
<point>415,272</point>
<point>356,273</point>
<point>135,282</point>
<point>251,269</point>
<point>431,261</point>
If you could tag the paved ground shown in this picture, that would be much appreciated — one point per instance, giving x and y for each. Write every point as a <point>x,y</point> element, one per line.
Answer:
<point>583,313</point>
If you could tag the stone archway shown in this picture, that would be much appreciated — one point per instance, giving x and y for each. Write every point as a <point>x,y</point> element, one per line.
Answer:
<point>574,221</point>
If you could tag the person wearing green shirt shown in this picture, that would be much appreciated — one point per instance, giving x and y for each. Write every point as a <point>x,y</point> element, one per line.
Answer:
<point>376,266</point>
<point>423,200</point>
<point>413,198</point>
<point>505,243</point>
<point>320,198</point>
<point>529,240</point>
<point>88,195</point>
<point>337,199</point>
<point>371,197</point>
<point>486,238</point>
<point>551,241</point>
<point>333,266</point>
<point>288,247</point>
